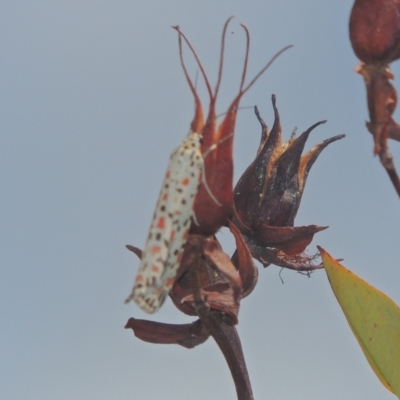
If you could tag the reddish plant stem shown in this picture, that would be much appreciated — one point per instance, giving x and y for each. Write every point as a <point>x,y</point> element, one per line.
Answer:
<point>226,337</point>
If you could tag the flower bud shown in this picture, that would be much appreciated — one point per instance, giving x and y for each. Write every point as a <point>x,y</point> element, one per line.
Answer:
<point>375,30</point>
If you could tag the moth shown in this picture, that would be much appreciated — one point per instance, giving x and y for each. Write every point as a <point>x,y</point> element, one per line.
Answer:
<point>169,228</point>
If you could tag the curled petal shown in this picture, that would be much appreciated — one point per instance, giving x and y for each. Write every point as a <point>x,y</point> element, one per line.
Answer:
<point>382,101</point>
<point>311,156</point>
<point>298,262</point>
<point>186,280</point>
<point>214,278</point>
<point>288,239</point>
<point>186,335</point>
<point>222,261</point>
<point>218,297</point>
<point>243,261</point>
<point>205,269</point>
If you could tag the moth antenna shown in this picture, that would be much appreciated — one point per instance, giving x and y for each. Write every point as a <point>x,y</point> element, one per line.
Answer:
<point>239,108</point>
<point>215,145</point>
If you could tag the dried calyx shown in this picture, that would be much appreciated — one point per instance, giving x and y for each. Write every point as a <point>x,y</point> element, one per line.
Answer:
<point>267,198</point>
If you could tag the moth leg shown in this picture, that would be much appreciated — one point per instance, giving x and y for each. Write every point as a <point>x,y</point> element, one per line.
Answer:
<point>203,179</point>
<point>195,219</point>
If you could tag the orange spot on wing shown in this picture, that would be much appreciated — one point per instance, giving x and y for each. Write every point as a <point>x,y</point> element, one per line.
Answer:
<point>139,278</point>
<point>172,235</point>
<point>159,290</point>
<point>155,269</point>
<point>155,249</point>
<point>161,223</point>
<point>165,197</point>
<point>186,181</point>
<point>167,175</point>
<point>169,282</point>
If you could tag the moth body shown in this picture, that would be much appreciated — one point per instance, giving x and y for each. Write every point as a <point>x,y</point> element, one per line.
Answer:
<point>169,228</point>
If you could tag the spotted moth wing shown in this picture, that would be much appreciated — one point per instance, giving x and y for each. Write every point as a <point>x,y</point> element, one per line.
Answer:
<point>170,226</point>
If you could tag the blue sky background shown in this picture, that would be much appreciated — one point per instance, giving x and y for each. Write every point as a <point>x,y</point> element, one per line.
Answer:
<point>93,100</point>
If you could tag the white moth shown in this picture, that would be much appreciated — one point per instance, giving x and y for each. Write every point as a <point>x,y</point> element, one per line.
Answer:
<point>169,228</point>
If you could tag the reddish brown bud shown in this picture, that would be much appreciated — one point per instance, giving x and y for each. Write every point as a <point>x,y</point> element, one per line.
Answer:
<point>375,30</point>
<point>375,37</point>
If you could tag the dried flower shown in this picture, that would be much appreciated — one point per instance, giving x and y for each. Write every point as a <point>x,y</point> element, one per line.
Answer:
<point>267,198</point>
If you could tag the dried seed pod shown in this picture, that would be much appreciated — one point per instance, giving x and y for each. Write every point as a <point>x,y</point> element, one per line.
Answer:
<point>268,195</point>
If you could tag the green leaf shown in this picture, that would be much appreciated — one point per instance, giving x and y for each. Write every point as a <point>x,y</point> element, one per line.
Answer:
<point>374,319</point>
